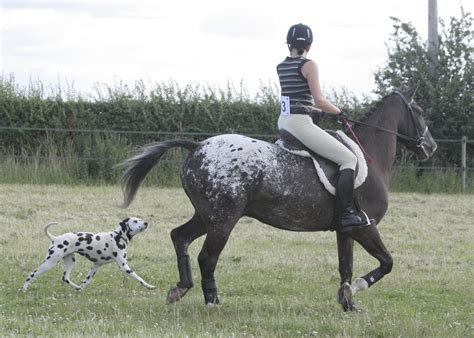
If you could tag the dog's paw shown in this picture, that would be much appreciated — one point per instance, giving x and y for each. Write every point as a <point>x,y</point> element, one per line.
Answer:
<point>151,287</point>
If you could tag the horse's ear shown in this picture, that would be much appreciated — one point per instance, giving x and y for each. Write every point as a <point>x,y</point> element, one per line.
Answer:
<point>410,93</point>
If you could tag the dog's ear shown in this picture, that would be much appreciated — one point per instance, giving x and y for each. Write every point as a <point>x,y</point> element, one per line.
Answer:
<point>124,224</point>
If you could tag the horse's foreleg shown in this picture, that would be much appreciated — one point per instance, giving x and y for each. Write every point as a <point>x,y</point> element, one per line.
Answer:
<point>182,237</point>
<point>345,249</point>
<point>370,240</point>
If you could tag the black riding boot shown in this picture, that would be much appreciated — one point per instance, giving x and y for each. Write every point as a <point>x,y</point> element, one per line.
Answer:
<point>347,217</point>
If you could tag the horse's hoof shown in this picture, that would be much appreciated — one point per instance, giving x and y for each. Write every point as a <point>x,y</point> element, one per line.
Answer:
<point>212,301</point>
<point>344,297</point>
<point>175,294</point>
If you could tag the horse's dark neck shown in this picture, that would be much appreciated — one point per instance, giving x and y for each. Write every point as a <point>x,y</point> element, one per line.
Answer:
<point>380,145</point>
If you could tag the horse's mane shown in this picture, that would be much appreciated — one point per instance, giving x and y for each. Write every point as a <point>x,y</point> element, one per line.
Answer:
<point>374,108</point>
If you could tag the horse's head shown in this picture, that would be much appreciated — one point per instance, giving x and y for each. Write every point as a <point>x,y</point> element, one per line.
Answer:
<point>417,135</point>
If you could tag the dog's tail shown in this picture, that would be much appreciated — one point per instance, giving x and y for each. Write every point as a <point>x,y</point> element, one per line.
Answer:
<point>51,237</point>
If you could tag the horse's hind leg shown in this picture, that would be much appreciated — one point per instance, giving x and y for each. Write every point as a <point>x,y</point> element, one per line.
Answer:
<point>182,237</point>
<point>370,240</point>
<point>216,238</point>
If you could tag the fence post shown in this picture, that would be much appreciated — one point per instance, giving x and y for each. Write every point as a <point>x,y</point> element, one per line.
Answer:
<point>463,162</point>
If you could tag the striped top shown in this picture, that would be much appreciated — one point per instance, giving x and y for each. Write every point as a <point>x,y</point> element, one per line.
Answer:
<point>295,85</point>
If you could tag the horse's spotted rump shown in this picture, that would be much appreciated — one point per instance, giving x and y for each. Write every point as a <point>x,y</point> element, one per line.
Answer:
<point>231,161</point>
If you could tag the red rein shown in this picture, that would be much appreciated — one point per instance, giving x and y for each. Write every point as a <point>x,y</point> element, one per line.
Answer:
<point>349,127</point>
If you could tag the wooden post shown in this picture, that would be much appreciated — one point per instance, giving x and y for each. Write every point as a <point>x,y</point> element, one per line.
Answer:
<point>433,45</point>
<point>463,163</point>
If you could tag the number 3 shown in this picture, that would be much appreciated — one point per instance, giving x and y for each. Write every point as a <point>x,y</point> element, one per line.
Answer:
<point>285,105</point>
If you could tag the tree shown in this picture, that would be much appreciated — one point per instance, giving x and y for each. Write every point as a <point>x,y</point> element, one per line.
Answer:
<point>447,95</point>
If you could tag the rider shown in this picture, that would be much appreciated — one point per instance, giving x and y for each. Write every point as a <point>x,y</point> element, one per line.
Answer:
<point>301,93</point>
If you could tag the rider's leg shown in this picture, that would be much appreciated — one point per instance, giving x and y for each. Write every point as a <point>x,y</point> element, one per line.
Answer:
<point>347,217</point>
<point>322,143</point>
<point>318,140</point>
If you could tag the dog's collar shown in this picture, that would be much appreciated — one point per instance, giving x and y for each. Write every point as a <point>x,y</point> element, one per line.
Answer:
<point>120,235</point>
<point>126,228</point>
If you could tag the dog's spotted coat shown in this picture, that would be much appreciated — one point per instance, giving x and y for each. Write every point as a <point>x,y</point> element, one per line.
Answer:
<point>101,248</point>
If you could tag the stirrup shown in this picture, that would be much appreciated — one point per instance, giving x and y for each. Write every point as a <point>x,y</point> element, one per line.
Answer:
<point>362,221</point>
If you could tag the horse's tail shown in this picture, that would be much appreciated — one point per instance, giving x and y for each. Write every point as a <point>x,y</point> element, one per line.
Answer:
<point>137,167</point>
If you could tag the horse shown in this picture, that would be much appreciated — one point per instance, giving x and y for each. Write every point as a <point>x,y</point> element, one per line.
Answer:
<point>230,176</point>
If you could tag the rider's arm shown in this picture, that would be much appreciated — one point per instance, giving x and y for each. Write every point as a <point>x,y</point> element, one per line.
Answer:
<point>311,73</point>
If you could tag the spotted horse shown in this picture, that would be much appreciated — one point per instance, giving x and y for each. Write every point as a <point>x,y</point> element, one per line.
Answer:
<point>230,176</point>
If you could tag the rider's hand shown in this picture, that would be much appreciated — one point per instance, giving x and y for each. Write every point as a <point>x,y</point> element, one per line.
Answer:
<point>341,117</point>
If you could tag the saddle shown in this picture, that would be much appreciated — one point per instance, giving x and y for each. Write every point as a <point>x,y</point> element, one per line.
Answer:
<point>327,170</point>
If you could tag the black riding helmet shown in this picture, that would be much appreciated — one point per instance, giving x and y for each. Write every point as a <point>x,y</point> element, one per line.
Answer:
<point>299,36</point>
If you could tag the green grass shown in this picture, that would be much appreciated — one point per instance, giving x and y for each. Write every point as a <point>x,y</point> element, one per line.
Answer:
<point>271,282</point>
<point>436,181</point>
<point>71,171</point>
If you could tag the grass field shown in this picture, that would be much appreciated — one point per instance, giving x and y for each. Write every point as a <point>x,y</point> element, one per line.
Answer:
<point>271,282</point>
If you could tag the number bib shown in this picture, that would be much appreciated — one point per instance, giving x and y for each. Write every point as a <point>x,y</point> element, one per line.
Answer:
<point>285,105</point>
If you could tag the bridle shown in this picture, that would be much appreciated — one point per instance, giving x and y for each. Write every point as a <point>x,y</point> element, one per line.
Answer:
<point>419,140</point>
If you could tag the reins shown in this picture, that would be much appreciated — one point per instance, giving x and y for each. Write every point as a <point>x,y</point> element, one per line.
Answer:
<point>410,109</point>
<point>419,141</point>
<point>381,129</point>
<point>346,123</point>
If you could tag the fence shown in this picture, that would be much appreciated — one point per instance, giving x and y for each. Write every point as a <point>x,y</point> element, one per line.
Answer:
<point>462,167</point>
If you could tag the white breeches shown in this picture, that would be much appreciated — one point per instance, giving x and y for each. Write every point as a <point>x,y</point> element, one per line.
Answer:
<point>316,139</point>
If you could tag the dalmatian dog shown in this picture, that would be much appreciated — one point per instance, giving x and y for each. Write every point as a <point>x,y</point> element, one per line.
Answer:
<point>100,249</point>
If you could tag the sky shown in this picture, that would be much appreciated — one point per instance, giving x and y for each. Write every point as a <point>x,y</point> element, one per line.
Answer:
<point>207,42</point>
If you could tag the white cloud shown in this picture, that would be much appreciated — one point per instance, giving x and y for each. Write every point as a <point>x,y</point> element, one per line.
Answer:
<point>93,8</point>
<point>207,41</point>
<point>239,23</point>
